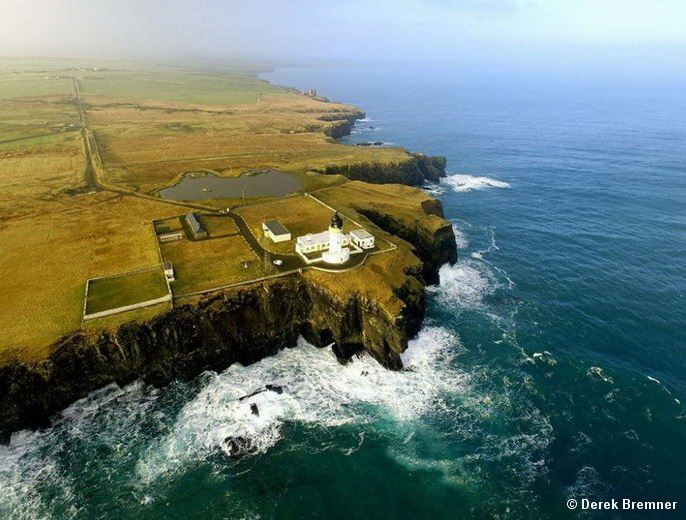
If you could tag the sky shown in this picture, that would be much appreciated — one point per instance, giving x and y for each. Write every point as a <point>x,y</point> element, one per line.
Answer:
<point>600,32</point>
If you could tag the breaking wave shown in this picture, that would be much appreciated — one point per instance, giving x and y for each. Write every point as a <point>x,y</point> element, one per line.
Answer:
<point>460,238</point>
<point>464,285</point>
<point>464,183</point>
<point>317,390</point>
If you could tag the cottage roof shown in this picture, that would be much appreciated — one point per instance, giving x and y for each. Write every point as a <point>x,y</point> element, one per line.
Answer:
<point>194,222</point>
<point>276,227</point>
<point>361,234</point>
<point>311,239</point>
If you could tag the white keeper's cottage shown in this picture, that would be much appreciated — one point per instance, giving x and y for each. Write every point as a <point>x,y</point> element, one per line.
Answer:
<point>334,245</point>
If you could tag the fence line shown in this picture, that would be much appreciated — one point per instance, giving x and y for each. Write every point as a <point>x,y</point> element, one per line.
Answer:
<point>117,310</point>
<point>238,284</point>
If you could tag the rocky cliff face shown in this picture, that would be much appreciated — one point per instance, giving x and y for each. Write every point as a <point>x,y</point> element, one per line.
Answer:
<point>341,123</point>
<point>434,245</point>
<point>415,171</point>
<point>240,325</point>
<point>236,326</point>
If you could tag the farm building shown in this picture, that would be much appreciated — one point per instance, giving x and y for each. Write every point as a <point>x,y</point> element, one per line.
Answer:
<point>171,236</point>
<point>276,231</point>
<point>195,226</point>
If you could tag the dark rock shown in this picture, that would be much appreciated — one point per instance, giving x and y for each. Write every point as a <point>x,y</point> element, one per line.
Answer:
<point>254,409</point>
<point>434,248</point>
<point>238,446</point>
<point>341,123</point>
<point>274,388</point>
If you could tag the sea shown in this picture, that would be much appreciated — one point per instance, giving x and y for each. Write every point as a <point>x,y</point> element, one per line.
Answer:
<point>551,366</point>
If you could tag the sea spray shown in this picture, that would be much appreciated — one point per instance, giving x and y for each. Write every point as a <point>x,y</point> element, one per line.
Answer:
<point>463,183</point>
<point>317,390</point>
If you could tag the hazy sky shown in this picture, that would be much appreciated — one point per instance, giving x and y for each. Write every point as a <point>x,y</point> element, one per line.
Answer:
<point>363,30</point>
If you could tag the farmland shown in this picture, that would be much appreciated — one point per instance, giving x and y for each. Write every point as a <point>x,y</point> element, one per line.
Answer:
<point>138,128</point>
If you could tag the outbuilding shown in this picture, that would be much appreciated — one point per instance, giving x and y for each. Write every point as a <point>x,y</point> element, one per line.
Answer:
<point>276,231</point>
<point>196,227</point>
<point>169,271</point>
<point>362,238</point>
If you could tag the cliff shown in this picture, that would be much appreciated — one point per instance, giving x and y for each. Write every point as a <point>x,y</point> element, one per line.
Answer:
<point>239,325</point>
<point>341,122</point>
<point>415,171</point>
<point>436,245</point>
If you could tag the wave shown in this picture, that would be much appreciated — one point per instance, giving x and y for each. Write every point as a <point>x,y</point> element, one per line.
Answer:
<point>464,285</point>
<point>463,183</point>
<point>317,390</point>
<point>460,238</point>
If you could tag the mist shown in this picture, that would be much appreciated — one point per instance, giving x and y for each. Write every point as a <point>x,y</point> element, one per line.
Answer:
<point>588,34</point>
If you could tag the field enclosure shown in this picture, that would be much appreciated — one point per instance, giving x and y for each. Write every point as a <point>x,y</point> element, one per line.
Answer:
<point>127,290</point>
<point>211,263</point>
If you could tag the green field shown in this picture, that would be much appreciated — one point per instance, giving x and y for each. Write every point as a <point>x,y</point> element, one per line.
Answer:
<point>23,88</point>
<point>219,226</point>
<point>210,263</point>
<point>179,87</point>
<point>128,289</point>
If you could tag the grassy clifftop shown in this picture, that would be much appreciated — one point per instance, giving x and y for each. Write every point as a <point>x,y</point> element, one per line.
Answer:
<point>85,146</point>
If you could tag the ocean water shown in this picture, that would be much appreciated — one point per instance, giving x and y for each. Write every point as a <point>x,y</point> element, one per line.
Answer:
<point>551,365</point>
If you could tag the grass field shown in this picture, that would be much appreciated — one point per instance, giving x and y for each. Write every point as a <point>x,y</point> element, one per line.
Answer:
<point>301,215</point>
<point>219,226</point>
<point>177,86</point>
<point>210,263</point>
<point>122,290</point>
<point>19,87</point>
<point>151,125</point>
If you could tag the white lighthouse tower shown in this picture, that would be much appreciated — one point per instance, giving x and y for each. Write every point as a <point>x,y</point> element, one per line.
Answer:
<point>337,254</point>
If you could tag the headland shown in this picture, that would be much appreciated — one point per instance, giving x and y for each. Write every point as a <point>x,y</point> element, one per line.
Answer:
<point>113,276</point>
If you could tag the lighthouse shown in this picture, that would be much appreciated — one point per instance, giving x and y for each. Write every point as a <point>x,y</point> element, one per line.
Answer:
<point>337,254</point>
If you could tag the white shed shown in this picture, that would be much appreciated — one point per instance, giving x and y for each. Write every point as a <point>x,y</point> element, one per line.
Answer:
<point>276,231</point>
<point>362,238</point>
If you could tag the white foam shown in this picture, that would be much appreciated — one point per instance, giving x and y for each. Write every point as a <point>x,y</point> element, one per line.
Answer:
<point>460,238</point>
<point>464,285</point>
<point>433,189</point>
<point>464,183</point>
<point>599,374</point>
<point>317,389</point>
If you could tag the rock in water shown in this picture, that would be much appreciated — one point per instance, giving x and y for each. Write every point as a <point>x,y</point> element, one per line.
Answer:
<point>236,447</point>
<point>274,388</point>
<point>254,409</point>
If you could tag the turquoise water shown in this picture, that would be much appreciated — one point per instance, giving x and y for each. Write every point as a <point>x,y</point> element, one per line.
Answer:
<point>551,365</point>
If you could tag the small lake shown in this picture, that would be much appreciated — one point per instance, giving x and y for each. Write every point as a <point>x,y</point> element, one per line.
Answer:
<point>203,186</point>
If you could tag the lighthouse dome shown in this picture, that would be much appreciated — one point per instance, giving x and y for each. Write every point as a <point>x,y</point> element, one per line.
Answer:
<point>336,221</point>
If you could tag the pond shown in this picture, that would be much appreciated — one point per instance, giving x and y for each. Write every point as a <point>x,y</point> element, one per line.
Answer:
<point>204,185</point>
